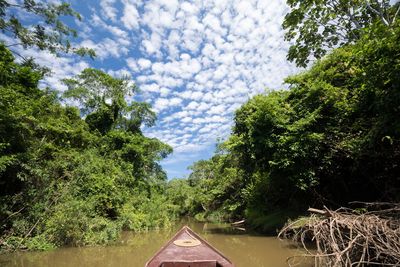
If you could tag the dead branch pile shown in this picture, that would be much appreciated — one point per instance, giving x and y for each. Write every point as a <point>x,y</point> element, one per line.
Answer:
<point>347,238</point>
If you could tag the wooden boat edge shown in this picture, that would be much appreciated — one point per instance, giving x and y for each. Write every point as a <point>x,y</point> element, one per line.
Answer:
<point>191,232</point>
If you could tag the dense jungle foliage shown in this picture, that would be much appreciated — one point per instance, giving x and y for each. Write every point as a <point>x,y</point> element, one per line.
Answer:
<point>68,180</point>
<point>333,137</point>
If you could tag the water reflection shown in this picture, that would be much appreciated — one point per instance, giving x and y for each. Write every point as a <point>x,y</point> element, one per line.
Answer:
<point>135,249</point>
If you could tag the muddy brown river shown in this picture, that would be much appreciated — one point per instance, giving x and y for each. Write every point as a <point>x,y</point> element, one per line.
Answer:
<point>133,250</point>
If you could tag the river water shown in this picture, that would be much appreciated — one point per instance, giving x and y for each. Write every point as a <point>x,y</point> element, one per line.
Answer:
<point>133,250</point>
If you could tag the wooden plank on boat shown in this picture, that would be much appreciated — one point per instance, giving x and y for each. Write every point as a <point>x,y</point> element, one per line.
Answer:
<point>186,249</point>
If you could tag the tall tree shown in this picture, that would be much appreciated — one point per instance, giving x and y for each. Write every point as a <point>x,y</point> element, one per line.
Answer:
<point>103,101</point>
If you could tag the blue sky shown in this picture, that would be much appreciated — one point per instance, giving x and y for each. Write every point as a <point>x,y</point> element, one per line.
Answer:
<point>195,61</point>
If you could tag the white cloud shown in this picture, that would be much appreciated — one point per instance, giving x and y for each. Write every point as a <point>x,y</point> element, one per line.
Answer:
<point>214,23</point>
<point>203,106</point>
<point>106,48</point>
<point>164,92</point>
<point>189,148</point>
<point>175,101</point>
<point>220,109</point>
<point>186,119</point>
<point>130,17</point>
<point>149,48</point>
<point>144,63</point>
<point>170,5</point>
<point>165,103</point>
<point>153,87</point>
<point>132,64</point>
<point>196,95</point>
<point>120,35</point>
<point>189,8</point>
<point>160,104</point>
<point>108,9</point>
<point>192,105</point>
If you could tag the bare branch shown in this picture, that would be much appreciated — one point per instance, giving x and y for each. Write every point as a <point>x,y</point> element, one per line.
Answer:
<point>379,13</point>
<point>16,44</point>
<point>13,5</point>
<point>353,20</point>
<point>18,54</point>
<point>347,238</point>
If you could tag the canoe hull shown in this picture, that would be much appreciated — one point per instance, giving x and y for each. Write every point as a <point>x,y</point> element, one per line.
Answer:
<point>186,249</point>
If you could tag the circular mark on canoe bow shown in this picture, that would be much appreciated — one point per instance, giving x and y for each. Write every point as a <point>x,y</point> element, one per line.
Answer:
<point>187,242</point>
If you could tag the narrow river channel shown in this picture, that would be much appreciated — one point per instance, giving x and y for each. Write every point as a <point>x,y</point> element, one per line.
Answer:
<point>133,250</point>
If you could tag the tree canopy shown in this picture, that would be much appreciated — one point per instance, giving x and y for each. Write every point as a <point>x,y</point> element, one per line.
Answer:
<point>316,26</point>
<point>104,101</point>
<point>49,32</point>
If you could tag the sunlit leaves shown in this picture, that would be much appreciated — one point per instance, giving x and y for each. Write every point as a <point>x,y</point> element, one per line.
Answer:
<point>49,33</point>
<point>103,100</point>
<point>319,26</point>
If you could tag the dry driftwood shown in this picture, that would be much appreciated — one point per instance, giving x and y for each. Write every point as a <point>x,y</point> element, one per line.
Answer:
<point>347,238</point>
<point>241,222</point>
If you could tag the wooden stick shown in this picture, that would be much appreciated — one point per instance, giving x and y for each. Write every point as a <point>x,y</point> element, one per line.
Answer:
<point>325,213</point>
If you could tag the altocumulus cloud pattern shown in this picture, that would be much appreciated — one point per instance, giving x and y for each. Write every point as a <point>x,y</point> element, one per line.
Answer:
<point>195,61</point>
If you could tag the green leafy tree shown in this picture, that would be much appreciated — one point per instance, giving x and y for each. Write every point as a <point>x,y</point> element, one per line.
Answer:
<point>103,101</point>
<point>48,33</point>
<point>217,185</point>
<point>318,26</point>
<point>182,196</point>
<point>140,114</point>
